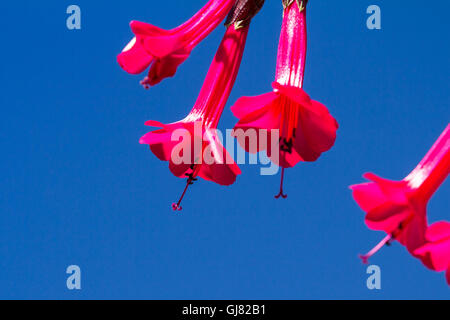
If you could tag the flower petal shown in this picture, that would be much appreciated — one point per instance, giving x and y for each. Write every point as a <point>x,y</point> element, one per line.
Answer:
<point>134,59</point>
<point>438,231</point>
<point>218,166</point>
<point>395,191</point>
<point>387,216</point>
<point>165,67</point>
<point>438,253</point>
<point>414,235</point>
<point>368,195</point>
<point>247,130</point>
<point>437,248</point>
<point>246,105</point>
<point>316,131</point>
<point>146,29</point>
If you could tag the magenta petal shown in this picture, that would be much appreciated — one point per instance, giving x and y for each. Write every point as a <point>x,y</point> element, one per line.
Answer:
<point>438,231</point>
<point>303,148</point>
<point>315,133</point>
<point>162,141</point>
<point>162,46</point>
<point>154,123</point>
<point>438,254</point>
<point>224,172</point>
<point>387,217</point>
<point>134,59</point>
<point>368,195</point>
<point>395,191</point>
<point>159,142</point>
<point>414,235</point>
<point>287,160</point>
<point>246,105</point>
<point>146,29</point>
<point>384,201</point>
<point>179,170</point>
<point>165,67</point>
<point>295,94</point>
<point>264,118</point>
<point>261,119</point>
<point>438,249</point>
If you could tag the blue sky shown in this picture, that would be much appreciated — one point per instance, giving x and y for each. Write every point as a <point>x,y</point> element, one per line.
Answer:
<point>77,187</point>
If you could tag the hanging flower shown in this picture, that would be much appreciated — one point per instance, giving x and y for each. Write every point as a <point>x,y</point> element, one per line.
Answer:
<point>399,207</point>
<point>435,253</point>
<point>306,128</point>
<point>192,146</point>
<point>164,50</point>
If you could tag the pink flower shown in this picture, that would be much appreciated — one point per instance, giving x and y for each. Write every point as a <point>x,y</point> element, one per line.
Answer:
<point>399,207</point>
<point>435,253</point>
<point>306,128</point>
<point>165,50</point>
<point>197,144</point>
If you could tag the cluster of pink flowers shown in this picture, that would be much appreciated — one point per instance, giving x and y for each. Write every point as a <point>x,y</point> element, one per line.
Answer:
<point>305,127</point>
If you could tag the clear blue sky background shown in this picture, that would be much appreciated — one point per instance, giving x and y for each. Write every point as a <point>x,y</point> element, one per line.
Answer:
<point>77,188</point>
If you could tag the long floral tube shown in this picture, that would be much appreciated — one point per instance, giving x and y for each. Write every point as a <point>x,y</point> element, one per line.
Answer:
<point>192,146</point>
<point>306,128</point>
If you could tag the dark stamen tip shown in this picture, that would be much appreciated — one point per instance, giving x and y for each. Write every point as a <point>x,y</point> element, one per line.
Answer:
<point>364,258</point>
<point>281,194</point>
<point>176,207</point>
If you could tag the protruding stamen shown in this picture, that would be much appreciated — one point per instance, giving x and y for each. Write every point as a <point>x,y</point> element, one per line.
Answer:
<point>145,83</point>
<point>385,241</point>
<point>177,206</point>
<point>281,194</point>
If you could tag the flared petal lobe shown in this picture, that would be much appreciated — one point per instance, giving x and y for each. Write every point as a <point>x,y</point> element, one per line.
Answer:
<point>436,251</point>
<point>189,145</point>
<point>313,131</point>
<point>388,208</point>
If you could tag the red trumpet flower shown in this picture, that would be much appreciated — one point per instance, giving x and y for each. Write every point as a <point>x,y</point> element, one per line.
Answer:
<point>306,128</point>
<point>165,50</point>
<point>399,207</point>
<point>192,145</point>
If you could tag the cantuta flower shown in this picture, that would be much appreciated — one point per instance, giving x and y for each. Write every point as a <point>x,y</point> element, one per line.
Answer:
<point>399,207</point>
<point>306,128</point>
<point>197,143</point>
<point>165,50</point>
<point>435,253</point>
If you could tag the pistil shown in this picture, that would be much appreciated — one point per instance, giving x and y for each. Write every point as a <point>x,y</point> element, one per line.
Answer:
<point>281,194</point>
<point>191,179</point>
<point>381,244</point>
